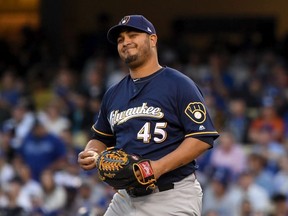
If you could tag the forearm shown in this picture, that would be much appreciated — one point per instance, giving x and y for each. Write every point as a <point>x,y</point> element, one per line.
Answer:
<point>95,145</point>
<point>189,150</point>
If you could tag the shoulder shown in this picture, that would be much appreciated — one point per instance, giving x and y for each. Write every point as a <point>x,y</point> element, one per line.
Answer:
<point>118,85</point>
<point>173,77</point>
<point>113,89</point>
<point>174,73</point>
<point>178,80</point>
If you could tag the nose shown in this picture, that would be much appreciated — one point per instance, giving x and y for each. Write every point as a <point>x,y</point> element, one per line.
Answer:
<point>126,41</point>
<point>125,38</point>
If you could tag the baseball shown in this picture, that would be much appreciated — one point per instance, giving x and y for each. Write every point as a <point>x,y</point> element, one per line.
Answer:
<point>198,115</point>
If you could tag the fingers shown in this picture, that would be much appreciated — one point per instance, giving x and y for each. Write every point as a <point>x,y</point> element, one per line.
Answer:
<point>87,159</point>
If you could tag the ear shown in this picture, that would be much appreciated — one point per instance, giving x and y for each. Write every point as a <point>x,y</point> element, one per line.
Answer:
<point>153,39</point>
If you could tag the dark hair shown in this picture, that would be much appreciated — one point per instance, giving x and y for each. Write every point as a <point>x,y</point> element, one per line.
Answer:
<point>278,197</point>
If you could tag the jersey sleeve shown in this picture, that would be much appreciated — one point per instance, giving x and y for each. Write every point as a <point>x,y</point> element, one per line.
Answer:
<point>193,112</point>
<point>101,130</point>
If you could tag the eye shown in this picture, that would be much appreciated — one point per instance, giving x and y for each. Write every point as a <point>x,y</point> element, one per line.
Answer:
<point>120,40</point>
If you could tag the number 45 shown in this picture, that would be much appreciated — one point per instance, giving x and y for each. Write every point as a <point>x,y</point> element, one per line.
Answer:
<point>145,132</point>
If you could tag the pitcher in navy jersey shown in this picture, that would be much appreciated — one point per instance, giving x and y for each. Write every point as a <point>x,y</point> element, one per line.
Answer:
<point>156,112</point>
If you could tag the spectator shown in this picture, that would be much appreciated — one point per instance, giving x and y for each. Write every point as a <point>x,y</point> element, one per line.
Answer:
<point>280,206</point>
<point>277,87</point>
<point>53,119</point>
<point>84,203</point>
<point>223,82</point>
<point>30,187</point>
<point>19,201</point>
<point>268,120</point>
<point>94,107</point>
<point>63,85</point>
<point>267,146</point>
<point>55,196</point>
<point>6,170</point>
<point>253,96</point>
<point>227,152</point>
<point>93,82</point>
<point>257,165</point>
<point>217,196</point>
<point>41,150</point>
<point>21,121</point>
<point>68,177</point>
<point>80,116</point>
<point>4,201</point>
<point>237,120</point>
<point>72,147</point>
<point>116,75</point>
<point>6,137</point>
<point>101,193</point>
<point>10,91</point>
<point>217,112</point>
<point>247,191</point>
<point>246,208</point>
<point>280,180</point>
<point>195,69</point>
<point>40,87</point>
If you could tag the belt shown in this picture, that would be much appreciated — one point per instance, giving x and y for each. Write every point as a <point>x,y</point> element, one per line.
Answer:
<point>168,186</point>
<point>136,192</point>
<point>165,187</point>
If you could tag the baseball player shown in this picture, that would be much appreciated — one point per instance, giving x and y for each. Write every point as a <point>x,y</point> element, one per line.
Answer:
<point>158,113</point>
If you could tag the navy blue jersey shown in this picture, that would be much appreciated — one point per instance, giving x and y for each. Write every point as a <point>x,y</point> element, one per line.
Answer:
<point>151,116</point>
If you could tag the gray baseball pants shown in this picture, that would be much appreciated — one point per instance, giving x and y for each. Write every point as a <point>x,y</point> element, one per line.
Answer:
<point>185,199</point>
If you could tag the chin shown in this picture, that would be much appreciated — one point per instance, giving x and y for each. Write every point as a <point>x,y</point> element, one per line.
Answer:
<point>130,59</point>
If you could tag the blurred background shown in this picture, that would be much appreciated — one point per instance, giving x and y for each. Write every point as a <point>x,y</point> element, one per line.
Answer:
<point>55,65</point>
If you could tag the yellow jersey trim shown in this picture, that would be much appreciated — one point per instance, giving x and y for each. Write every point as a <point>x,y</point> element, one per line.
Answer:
<point>200,133</point>
<point>97,131</point>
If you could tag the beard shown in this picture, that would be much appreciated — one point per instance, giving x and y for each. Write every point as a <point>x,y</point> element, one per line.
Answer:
<point>130,59</point>
<point>136,60</point>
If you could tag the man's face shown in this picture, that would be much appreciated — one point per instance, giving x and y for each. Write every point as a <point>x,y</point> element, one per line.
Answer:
<point>134,47</point>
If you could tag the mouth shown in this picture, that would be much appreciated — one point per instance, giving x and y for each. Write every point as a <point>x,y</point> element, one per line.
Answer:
<point>127,49</point>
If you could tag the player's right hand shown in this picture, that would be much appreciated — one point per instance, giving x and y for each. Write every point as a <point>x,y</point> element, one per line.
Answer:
<point>87,159</point>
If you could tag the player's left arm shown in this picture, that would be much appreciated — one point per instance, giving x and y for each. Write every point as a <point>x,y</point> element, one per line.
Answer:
<point>187,151</point>
<point>198,127</point>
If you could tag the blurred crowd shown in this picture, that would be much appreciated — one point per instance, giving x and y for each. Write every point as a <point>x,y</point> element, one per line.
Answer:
<point>48,103</point>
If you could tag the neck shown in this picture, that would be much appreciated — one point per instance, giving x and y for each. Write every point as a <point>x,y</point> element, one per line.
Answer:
<point>144,71</point>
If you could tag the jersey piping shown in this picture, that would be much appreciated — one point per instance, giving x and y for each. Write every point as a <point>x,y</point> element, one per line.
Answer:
<point>199,133</point>
<point>102,133</point>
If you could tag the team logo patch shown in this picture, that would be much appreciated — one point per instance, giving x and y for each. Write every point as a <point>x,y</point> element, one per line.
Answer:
<point>196,112</point>
<point>125,20</point>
